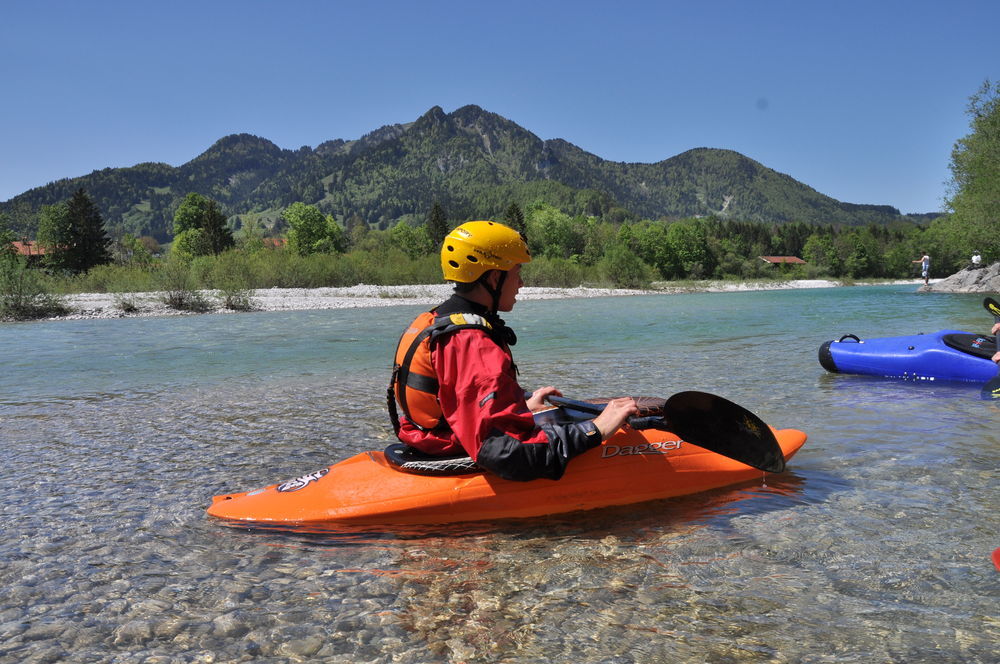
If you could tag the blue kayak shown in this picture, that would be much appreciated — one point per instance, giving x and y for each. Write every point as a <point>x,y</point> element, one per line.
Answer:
<point>946,355</point>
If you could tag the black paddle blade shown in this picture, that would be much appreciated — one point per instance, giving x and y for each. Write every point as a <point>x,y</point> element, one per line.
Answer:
<point>723,427</point>
<point>992,306</point>
<point>991,390</point>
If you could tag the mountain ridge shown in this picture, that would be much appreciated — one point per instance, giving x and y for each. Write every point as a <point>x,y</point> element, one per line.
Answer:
<point>471,161</point>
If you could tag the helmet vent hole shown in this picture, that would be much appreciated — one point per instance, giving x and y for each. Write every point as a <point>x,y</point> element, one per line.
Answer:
<point>450,248</point>
<point>453,264</point>
<point>472,259</point>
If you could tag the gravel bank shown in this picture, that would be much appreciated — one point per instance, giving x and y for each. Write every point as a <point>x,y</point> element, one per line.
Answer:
<point>107,305</point>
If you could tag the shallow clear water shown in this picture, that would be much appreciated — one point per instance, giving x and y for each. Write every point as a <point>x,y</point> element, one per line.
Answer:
<point>874,546</point>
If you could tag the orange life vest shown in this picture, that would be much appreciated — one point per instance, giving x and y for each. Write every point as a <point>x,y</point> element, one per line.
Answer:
<point>414,384</point>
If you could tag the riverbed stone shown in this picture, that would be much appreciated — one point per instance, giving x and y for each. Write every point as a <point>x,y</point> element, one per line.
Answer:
<point>134,631</point>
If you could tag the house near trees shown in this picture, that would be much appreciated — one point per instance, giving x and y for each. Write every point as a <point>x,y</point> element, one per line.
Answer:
<point>32,250</point>
<point>782,260</point>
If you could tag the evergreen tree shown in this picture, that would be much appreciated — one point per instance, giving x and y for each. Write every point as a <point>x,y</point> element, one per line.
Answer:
<point>515,218</point>
<point>437,225</point>
<point>73,235</point>
<point>217,231</point>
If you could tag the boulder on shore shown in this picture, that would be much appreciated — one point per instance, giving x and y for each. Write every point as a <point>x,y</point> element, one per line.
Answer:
<point>983,280</point>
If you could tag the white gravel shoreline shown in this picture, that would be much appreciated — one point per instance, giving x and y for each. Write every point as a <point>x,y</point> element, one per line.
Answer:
<point>106,305</point>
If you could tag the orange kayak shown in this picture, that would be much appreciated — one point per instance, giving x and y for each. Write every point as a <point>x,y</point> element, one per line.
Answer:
<point>630,467</point>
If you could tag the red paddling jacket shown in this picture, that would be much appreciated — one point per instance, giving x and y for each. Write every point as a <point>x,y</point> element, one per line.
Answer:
<point>478,406</point>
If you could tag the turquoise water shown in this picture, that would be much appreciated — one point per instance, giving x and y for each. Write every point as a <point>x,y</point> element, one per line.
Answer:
<point>116,433</point>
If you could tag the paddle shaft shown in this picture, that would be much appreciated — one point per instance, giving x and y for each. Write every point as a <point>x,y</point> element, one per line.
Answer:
<point>708,421</point>
<point>636,421</point>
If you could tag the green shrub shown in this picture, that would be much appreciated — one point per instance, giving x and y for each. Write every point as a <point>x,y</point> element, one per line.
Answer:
<point>178,288</point>
<point>23,295</point>
<point>133,278</point>
<point>622,268</point>
<point>232,276</point>
<point>555,272</point>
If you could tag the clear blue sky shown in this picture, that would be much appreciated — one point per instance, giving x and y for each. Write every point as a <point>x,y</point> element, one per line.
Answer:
<point>861,100</point>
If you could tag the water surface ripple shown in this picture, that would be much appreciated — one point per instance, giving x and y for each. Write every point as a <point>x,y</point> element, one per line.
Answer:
<point>116,433</point>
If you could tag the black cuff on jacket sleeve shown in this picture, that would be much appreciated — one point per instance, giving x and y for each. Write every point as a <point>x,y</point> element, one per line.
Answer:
<point>508,457</point>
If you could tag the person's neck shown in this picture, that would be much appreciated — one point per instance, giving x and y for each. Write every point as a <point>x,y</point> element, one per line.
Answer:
<point>477,295</point>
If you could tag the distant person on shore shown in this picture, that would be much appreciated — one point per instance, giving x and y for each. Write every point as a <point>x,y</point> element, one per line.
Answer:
<point>925,267</point>
<point>977,260</point>
<point>454,379</point>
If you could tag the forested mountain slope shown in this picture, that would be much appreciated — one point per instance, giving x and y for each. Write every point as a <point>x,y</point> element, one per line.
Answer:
<point>473,162</point>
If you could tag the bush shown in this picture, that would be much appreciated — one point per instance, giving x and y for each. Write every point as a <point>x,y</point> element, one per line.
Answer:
<point>231,275</point>
<point>624,269</point>
<point>178,287</point>
<point>555,272</point>
<point>114,279</point>
<point>23,295</point>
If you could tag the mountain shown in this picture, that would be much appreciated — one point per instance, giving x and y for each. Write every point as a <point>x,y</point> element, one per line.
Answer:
<point>473,162</point>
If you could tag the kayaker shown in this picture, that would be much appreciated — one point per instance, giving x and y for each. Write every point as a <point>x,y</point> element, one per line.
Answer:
<point>455,380</point>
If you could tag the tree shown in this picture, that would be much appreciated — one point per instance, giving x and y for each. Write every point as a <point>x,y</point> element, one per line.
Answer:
<point>6,237</point>
<point>196,212</point>
<point>689,243</point>
<point>190,213</point>
<point>73,235</point>
<point>552,233</point>
<point>131,250</point>
<point>414,242</point>
<point>217,231</point>
<point>252,240</point>
<point>437,225</point>
<point>515,218</point>
<point>975,183</point>
<point>335,241</point>
<point>356,230</point>
<point>190,243</point>
<point>819,251</point>
<point>650,243</point>
<point>311,232</point>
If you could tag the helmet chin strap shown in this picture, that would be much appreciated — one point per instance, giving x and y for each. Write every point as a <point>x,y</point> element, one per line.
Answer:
<point>495,292</point>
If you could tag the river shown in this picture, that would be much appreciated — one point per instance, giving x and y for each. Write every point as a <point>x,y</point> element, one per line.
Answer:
<point>873,546</point>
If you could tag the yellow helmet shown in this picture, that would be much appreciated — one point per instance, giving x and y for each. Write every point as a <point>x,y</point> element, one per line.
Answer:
<point>478,246</point>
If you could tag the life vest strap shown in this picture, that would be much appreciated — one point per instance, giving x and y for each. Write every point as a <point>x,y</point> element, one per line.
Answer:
<point>402,376</point>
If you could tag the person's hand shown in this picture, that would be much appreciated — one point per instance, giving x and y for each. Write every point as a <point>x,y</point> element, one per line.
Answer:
<point>996,357</point>
<point>615,414</point>
<point>996,328</point>
<point>536,401</point>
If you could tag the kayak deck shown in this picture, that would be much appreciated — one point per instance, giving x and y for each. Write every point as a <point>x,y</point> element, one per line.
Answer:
<point>630,467</point>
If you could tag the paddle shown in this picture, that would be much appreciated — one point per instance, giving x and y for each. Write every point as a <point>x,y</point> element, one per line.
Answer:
<point>991,390</point>
<point>705,420</point>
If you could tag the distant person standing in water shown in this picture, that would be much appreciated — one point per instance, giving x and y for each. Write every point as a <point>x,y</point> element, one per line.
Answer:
<point>925,267</point>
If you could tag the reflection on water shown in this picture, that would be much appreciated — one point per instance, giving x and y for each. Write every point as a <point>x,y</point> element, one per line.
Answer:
<point>873,547</point>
